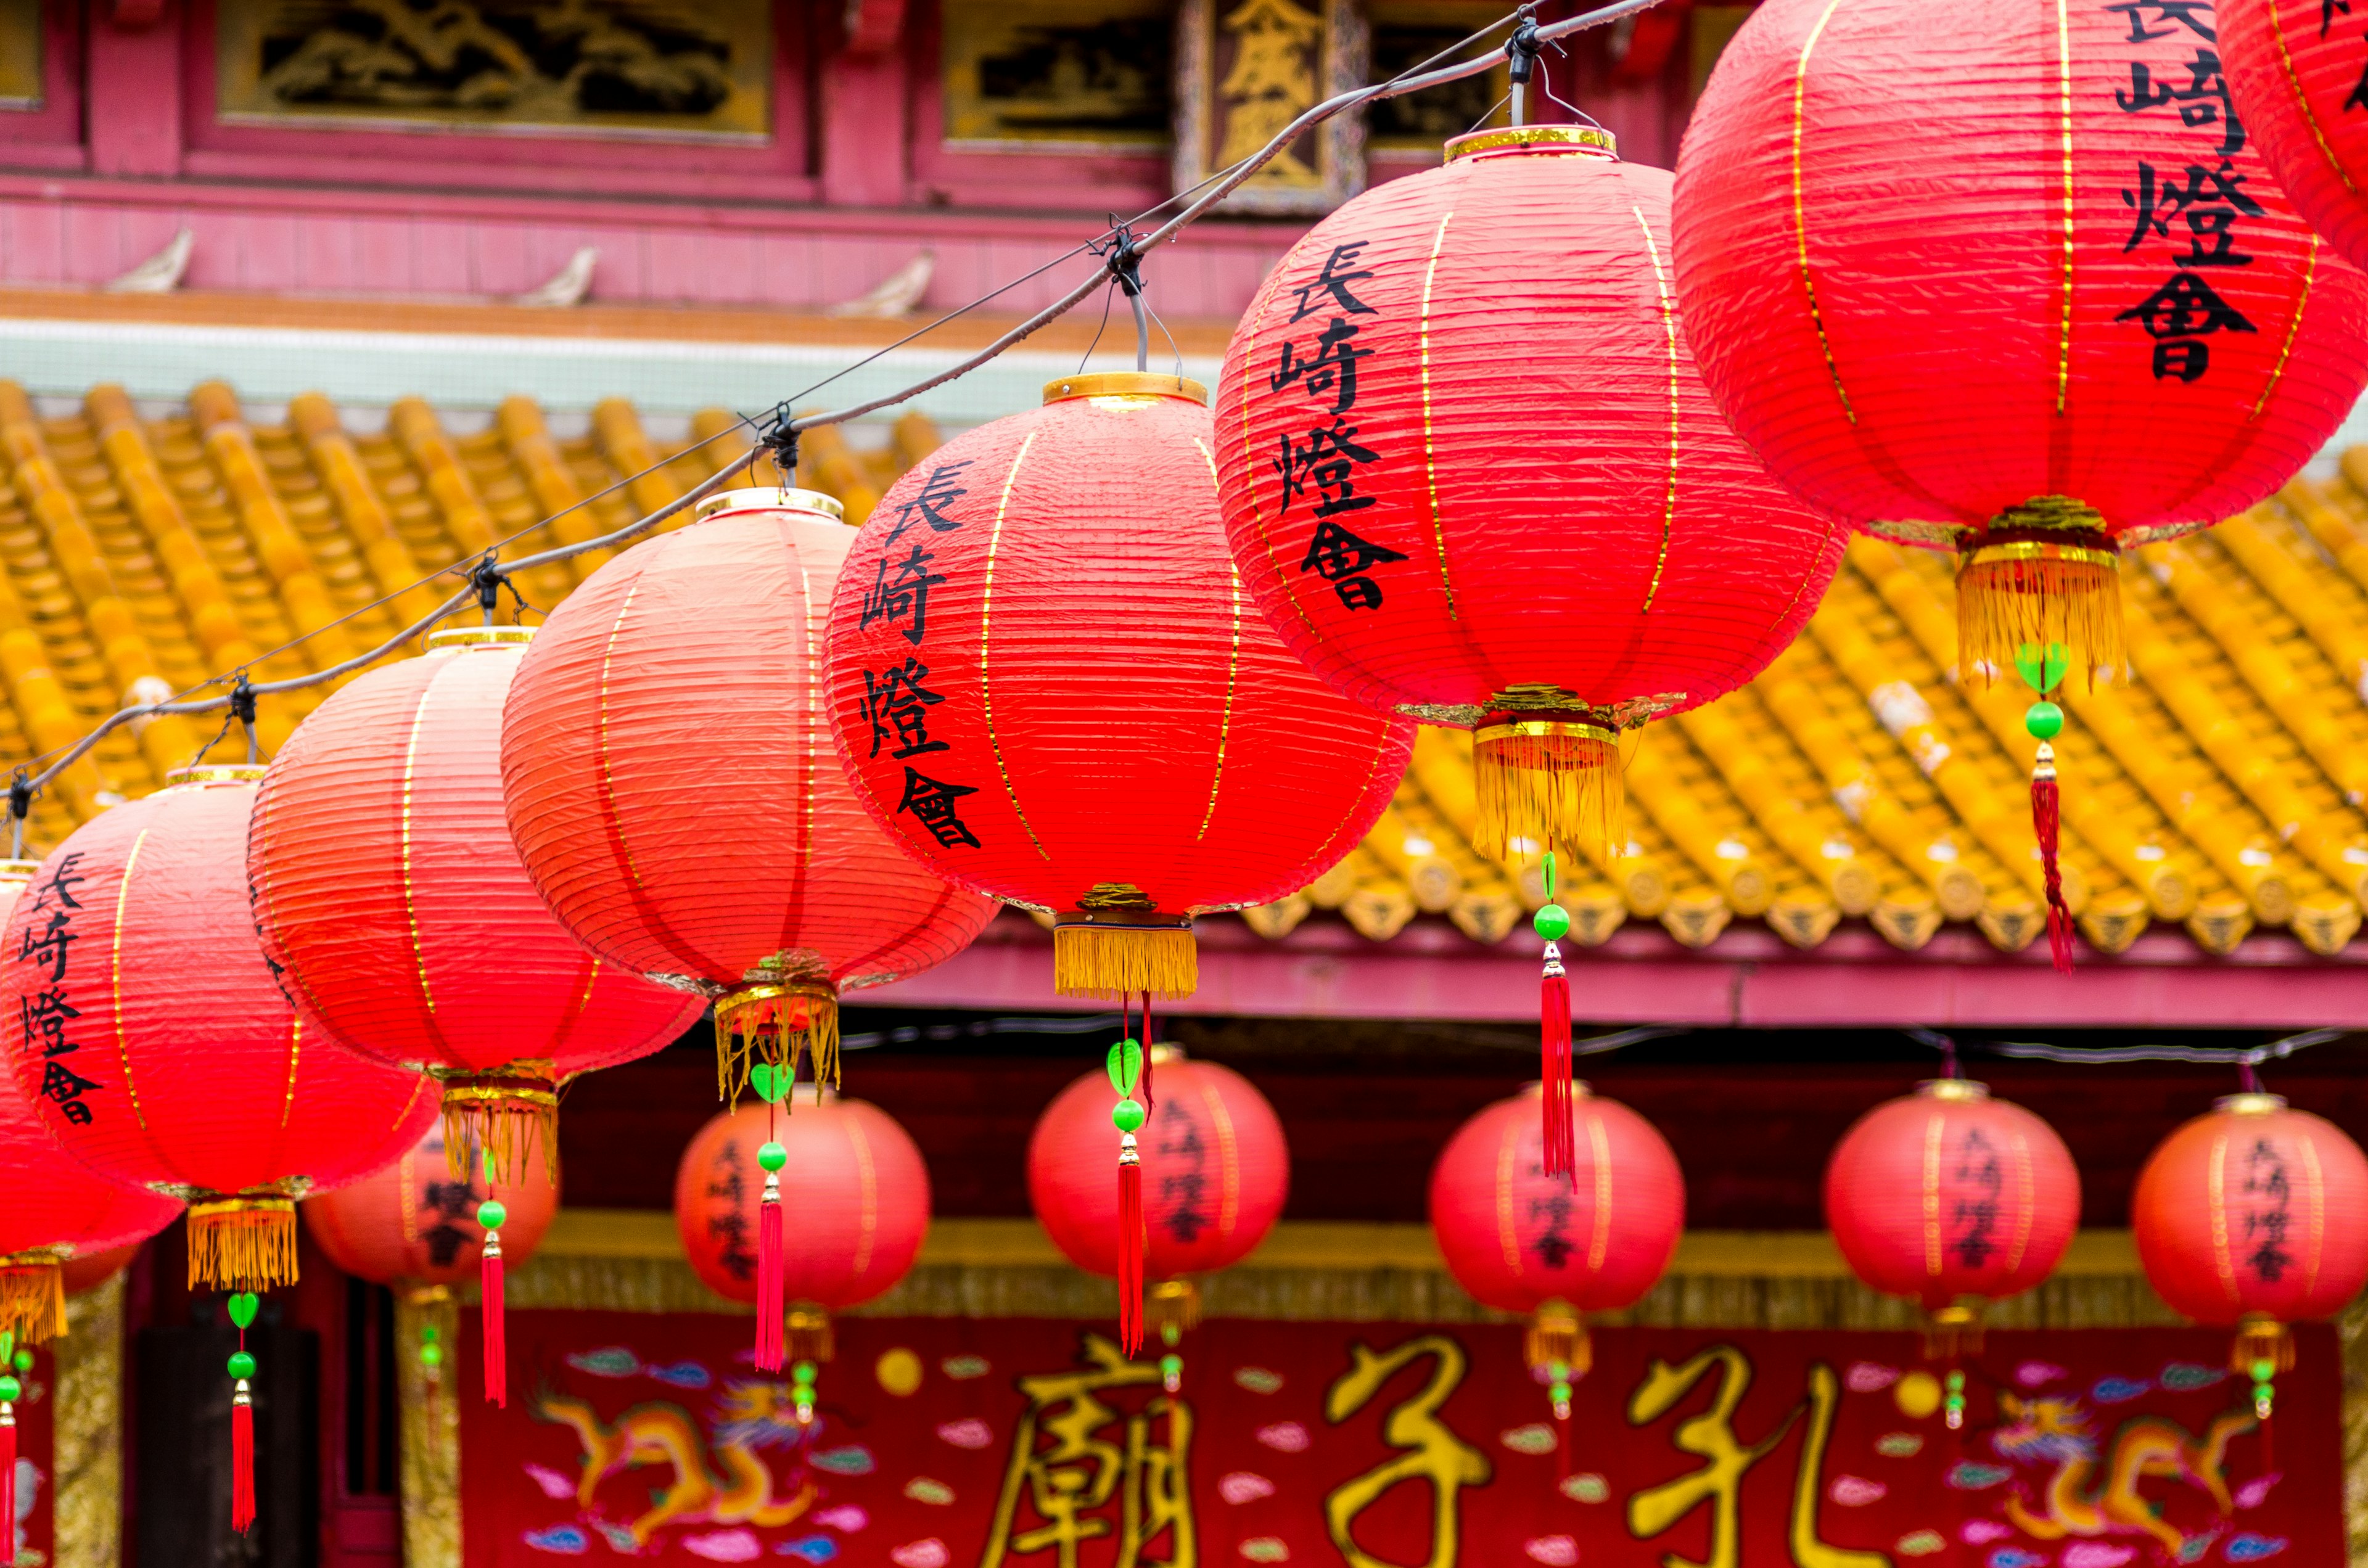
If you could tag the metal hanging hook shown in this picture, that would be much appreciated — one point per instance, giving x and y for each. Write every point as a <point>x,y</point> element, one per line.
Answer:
<point>487,579</point>
<point>242,707</point>
<point>1124,260</point>
<point>20,806</point>
<point>1521,59</point>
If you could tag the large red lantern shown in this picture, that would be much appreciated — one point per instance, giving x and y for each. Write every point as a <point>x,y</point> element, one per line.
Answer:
<point>159,1050</point>
<point>1952,1199</point>
<point>2073,311</point>
<point>1215,1171</point>
<point>1050,684</point>
<point>2294,72</point>
<point>2253,1217</point>
<point>856,1201</point>
<point>672,788</point>
<point>414,1223</point>
<point>53,1211</point>
<point>1522,1239</point>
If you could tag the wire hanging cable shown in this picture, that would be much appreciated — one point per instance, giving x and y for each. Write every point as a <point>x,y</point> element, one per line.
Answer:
<point>2202,1055</point>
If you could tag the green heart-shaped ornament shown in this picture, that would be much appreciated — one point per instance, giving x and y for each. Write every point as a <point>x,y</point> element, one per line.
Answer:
<point>2040,668</point>
<point>241,1308</point>
<point>770,1082</point>
<point>1125,1067</point>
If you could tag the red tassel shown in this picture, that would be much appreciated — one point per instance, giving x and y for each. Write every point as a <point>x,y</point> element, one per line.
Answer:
<point>771,1291</point>
<point>242,1459</point>
<point>2045,818</point>
<point>489,1283</point>
<point>1146,1051</point>
<point>8,1482</point>
<point>1554,1033</point>
<point>1131,1242</point>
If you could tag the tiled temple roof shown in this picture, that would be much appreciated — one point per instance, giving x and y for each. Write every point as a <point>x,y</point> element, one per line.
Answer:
<point>2219,792</point>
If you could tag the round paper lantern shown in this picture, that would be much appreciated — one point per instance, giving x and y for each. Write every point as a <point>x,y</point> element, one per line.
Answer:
<point>1050,685</point>
<point>393,908</point>
<point>2295,73</point>
<point>158,1049</point>
<point>2253,1217</point>
<point>843,1188</point>
<point>54,1211</point>
<point>414,1223</point>
<point>1471,475</point>
<point>1521,1239</point>
<point>671,783</point>
<point>1952,1199</point>
<point>1215,1173</point>
<point>2069,310</point>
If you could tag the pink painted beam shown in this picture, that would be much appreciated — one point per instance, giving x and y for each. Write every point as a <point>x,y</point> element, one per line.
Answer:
<point>1748,978</point>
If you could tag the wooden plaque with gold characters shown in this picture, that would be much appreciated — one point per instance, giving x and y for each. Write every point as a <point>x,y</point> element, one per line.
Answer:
<point>20,54</point>
<point>1056,76</point>
<point>1244,69</point>
<point>698,70</point>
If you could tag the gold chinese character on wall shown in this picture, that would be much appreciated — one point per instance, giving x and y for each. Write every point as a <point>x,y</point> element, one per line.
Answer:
<point>701,69</point>
<point>1245,70</point>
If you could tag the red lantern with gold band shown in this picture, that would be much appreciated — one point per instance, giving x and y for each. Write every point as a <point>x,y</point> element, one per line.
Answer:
<point>175,1063</point>
<point>2254,1217</point>
<point>1521,1239</point>
<point>2295,81</point>
<point>53,1211</point>
<point>671,786</point>
<point>415,1222</point>
<point>1051,685</point>
<point>1952,1199</point>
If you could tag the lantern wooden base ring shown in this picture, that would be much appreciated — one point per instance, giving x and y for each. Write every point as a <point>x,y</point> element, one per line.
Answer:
<point>1124,953</point>
<point>1546,784</point>
<point>33,1294</point>
<point>2043,572</point>
<point>246,1241</point>
<point>778,1024</point>
<point>501,1116</point>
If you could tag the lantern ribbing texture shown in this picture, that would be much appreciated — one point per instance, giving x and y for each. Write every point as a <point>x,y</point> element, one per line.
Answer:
<point>2254,1216</point>
<point>1952,1199</point>
<point>394,907</point>
<point>1051,685</point>
<point>1216,1170</point>
<point>2007,284</point>
<point>54,1209</point>
<point>1471,475</point>
<point>181,1067</point>
<point>671,785</point>
<point>416,1224</point>
<point>2293,70</point>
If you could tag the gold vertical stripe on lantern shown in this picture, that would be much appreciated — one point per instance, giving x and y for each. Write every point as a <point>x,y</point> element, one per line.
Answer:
<point>985,635</point>
<point>2293,326</point>
<point>1599,1241</point>
<point>2317,1231</point>
<point>2216,1189</point>
<point>1429,435</point>
<point>1669,328</point>
<point>1800,211</point>
<point>2064,98</point>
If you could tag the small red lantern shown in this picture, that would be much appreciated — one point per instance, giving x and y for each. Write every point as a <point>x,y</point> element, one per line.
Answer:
<point>1521,1239</point>
<point>1050,685</point>
<point>860,1199</point>
<point>1952,1199</point>
<point>2295,81</point>
<point>672,788</point>
<point>53,1211</point>
<point>1215,1173</point>
<point>2253,1217</point>
<point>414,1223</point>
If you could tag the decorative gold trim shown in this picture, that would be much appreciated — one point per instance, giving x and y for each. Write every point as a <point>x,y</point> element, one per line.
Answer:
<point>2302,101</point>
<point>986,628</point>
<point>2294,327</point>
<point>1800,214</point>
<point>1670,326</point>
<point>115,981</point>
<point>1578,729</point>
<point>211,773</point>
<point>1125,383</point>
<point>479,637</point>
<point>2041,550</point>
<point>1233,676</point>
<point>1429,441</point>
<point>1137,918</point>
<point>2064,89</point>
<point>2251,1104</point>
<point>1591,140</point>
<point>771,498</point>
<point>410,893</point>
<point>1962,1091</point>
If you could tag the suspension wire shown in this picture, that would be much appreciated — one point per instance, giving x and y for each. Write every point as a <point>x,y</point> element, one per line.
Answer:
<point>2205,1055</point>
<point>778,429</point>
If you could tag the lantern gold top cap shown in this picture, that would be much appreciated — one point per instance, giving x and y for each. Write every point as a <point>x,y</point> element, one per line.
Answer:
<point>771,498</point>
<point>1592,139</point>
<point>480,637</point>
<point>1579,1089</point>
<point>1952,1089</point>
<point>216,773</point>
<point>17,870</point>
<point>2253,1103</point>
<point>1125,383</point>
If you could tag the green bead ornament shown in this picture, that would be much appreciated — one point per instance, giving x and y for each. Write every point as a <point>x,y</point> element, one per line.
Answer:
<point>430,1334</point>
<point>1124,1066</point>
<point>490,1214</point>
<point>241,1308</point>
<point>241,1365</point>
<point>772,1156</point>
<point>1169,1366</point>
<point>2044,719</point>
<point>431,1355</point>
<point>1552,922</point>
<point>802,1373</point>
<point>1127,1115</point>
<point>2264,1371</point>
<point>24,1359</point>
<point>11,1390</point>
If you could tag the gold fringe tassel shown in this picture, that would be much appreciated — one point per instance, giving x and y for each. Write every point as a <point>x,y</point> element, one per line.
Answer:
<point>1171,1308</point>
<point>32,1297</point>
<point>246,1242</point>
<point>1099,957</point>
<point>509,1114</point>
<point>1547,784</point>
<point>1556,1337</point>
<point>805,1335</point>
<point>2041,575</point>
<point>2261,1338</point>
<point>1952,1332</point>
<point>781,1026</point>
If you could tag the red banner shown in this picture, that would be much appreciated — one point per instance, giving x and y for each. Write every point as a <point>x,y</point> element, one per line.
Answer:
<point>984,1443</point>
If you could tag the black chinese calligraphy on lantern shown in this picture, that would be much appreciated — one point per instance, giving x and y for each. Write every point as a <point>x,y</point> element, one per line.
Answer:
<point>729,1210</point>
<point>45,952</point>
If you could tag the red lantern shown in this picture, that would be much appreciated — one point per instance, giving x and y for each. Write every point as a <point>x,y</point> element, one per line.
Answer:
<point>88,1271</point>
<point>2254,1217</point>
<point>1521,1239</point>
<point>1049,685</point>
<point>2293,78</point>
<point>671,785</point>
<point>2024,329</point>
<point>53,1211</point>
<point>859,1197</point>
<point>393,908</point>
<point>1952,1199</point>
<point>174,1063</point>
<point>414,1223</point>
<point>1215,1171</point>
